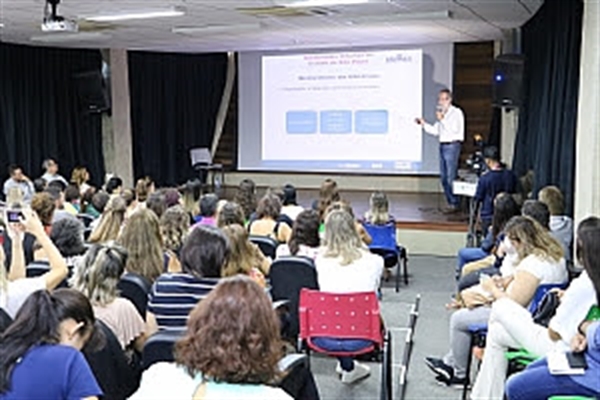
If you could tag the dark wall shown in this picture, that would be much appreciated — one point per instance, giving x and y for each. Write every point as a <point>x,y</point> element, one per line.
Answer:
<point>545,140</point>
<point>40,112</point>
<point>174,103</point>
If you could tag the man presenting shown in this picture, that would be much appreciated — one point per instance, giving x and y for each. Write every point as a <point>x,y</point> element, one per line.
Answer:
<point>450,128</point>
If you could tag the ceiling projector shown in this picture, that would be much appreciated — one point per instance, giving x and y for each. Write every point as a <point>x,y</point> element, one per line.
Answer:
<point>53,22</point>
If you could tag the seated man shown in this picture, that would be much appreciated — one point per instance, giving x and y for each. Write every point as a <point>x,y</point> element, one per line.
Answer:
<point>561,225</point>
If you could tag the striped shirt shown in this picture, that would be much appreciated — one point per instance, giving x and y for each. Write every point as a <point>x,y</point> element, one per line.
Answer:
<point>173,296</point>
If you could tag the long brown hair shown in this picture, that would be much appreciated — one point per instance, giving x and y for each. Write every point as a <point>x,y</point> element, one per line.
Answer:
<point>246,197</point>
<point>232,335</point>
<point>534,239</point>
<point>142,240</point>
<point>327,194</point>
<point>111,222</point>
<point>243,255</point>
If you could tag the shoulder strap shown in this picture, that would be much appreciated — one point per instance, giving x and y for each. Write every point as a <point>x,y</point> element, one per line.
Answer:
<point>200,393</point>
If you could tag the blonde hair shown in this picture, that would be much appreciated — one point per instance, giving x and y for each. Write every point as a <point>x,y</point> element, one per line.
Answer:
<point>553,198</point>
<point>341,238</point>
<point>79,176</point>
<point>533,239</point>
<point>141,237</point>
<point>242,258</point>
<point>379,209</point>
<point>111,221</point>
<point>99,272</point>
<point>3,278</point>
<point>174,226</point>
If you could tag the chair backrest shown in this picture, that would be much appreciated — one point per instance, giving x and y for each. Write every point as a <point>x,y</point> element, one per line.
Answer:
<point>135,288</point>
<point>36,268</point>
<point>5,319</point>
<point>267,245</point>
<point>541,292</point>
<point>341,316</point>
<point>289,275</point>
<point>383,236</point>
<point>159,347</point>
<point>85,219</point>
<point>117,378</point>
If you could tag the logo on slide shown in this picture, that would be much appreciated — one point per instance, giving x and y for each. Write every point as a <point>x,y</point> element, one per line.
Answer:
<point>398,58</point>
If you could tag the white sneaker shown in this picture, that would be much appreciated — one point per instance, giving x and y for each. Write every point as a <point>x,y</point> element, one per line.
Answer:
<point>360,371</point>
<point>338,368</point>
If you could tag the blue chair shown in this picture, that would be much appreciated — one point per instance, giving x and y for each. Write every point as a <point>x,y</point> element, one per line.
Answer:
<point>384,244</point>
<point>479,331</point>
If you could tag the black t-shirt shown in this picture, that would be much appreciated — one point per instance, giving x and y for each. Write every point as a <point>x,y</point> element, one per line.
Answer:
<point>490,185</point>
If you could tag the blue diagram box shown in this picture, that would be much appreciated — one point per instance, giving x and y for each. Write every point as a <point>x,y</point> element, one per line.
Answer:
<point>301,122</point>
<point>336,121</point>
<point>371,121</point>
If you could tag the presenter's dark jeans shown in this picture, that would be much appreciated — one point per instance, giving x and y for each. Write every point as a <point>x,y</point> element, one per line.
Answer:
<point>449,155</point>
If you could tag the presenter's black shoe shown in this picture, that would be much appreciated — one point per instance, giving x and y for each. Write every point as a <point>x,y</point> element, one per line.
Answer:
<point>450,210</point>
<point>458,383</point>
<point>440,368</point>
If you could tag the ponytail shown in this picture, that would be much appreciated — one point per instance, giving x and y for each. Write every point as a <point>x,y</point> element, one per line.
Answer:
<point>35,323</point>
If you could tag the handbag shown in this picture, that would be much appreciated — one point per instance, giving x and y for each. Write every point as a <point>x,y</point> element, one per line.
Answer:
<point>546,309</point>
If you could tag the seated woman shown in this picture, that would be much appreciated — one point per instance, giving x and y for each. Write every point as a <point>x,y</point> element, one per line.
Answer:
<point>345,206</point>
<point>174,227</point>
<point>245,258</point>
<point>537,383</point>
<point>505,207</point>
<point>266,222</point>
<point>289,203</point>
<point>379,210</point>
<point>511,326</point>
<point>97,277</point>
<point>305,240</point>
<point>67,236</point>
<point>230,213</point>
<point>345,266</point>
<point>246,197</point>
<point>15,288</point>
<point>143,242</point>
<point>80,177</point>
<point>208,209</point>
<point>203,255</point>
<point>328,194</point>
<point>111,221</point>
<point>230,350</point>
<point>540,262</point>
<point>40,354</point>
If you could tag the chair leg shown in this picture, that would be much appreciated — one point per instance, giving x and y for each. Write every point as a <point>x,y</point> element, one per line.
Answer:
<point>405,265</point>
<point>468,371</point>
<point>398,273</point>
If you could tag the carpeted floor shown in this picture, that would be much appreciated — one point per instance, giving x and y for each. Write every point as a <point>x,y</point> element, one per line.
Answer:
<point>432,277</point>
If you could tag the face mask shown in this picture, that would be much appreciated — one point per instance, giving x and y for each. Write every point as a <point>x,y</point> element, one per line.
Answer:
<point>508,247</point>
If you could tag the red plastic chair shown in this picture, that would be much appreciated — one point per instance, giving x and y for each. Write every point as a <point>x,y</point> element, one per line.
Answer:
<point>346,316</point>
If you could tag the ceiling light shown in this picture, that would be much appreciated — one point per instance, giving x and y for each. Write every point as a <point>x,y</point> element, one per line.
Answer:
<point>69,37</point>
<point>136,15</point>
<point>215,29</point>
<point>325,3</point>
<point>1,25</point>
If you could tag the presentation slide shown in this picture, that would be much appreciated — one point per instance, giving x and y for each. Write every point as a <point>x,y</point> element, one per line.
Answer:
<point>342,110</point>
<point>350,110</point>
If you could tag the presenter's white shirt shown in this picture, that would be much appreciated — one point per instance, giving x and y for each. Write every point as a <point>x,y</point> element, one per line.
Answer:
<point>451,128</point>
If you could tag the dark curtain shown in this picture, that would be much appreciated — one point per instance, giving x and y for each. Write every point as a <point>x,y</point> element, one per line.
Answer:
<point>40,112</point>
<point>545,140</point>
<point>174,103</point>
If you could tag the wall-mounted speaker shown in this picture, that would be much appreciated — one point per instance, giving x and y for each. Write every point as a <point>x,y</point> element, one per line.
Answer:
<point>93,88</point>
<point>508,80</point>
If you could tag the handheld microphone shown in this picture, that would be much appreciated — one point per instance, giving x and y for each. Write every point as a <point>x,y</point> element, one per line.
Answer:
<point>439,109</point>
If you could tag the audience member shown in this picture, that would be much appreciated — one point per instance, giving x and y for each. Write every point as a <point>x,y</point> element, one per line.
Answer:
<point>289,202</point>
<point>266,222</point>
<point>51,167</point>
<point>497,179</point>
<point>172,197</point>
<point>505,207</point>
<point>246,197</point>
<point>143,188</point>
<point>130,203</point>
<point>208,209</point>
<point>72,199</point>
<point>174,227</point>
<point>15,288</point>
<point>67,236</point>
<point>561,225</point>
<point>230,213</point>
<point>44,206</point>
<point>244,257</point>
<point>190,193</point>
<point>142,240</point>
<point>537,211</point>
<point>204,253</point>
<point>20,181</point>
<point>157,203</point>
<point>304,240</point>
<point>114,186</point>
<point>97,277</point>
<point>540,262</point>
<point>379,210</point>
<point>80,178</point>
<point>39,185</point>
<point>98,204</point>
<point>58,196</point>
<point>110,223</point>
<point>40,351</point>
<point>345,206</point>
<point>86,202</point>
<point>511,326</point>
<point>346,266</point>
<point>328,194</point>
<point>230,350</point>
